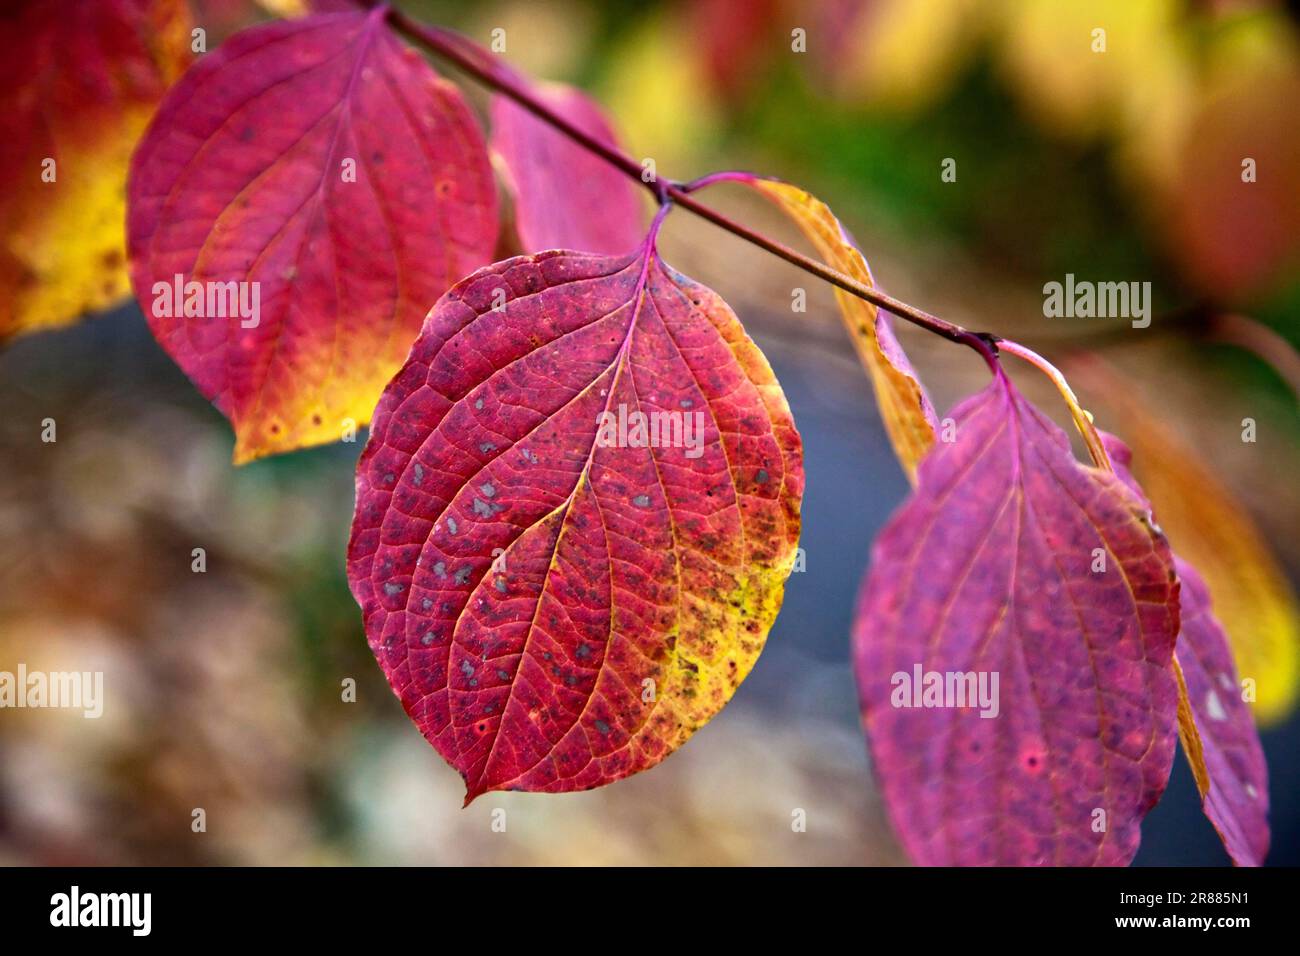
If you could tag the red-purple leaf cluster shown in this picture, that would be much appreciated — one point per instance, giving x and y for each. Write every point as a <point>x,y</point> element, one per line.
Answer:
<point>580,498</point>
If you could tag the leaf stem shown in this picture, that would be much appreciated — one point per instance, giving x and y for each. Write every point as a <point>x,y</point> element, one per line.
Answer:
<point>1082,417</point>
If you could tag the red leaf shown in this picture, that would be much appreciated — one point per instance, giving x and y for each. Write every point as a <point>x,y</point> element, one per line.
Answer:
<point>1227,757</point>
<point>633,587</point>
<point>989,569</point>
<point>565,197</point>
<point>244,177</point>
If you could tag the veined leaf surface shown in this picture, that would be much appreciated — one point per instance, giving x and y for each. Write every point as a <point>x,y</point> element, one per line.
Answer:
<point>554,609</point>
<point>1013,559</point>
<point>329,174</point>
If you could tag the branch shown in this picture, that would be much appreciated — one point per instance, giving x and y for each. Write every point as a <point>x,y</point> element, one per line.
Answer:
<point>470,59</point>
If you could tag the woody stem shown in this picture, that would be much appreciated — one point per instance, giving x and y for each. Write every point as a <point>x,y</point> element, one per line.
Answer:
<point>483,67</point>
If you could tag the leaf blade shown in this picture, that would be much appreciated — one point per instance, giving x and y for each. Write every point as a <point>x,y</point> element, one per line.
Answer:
<point>244,177</point>
<point>1087,699</point>
<point>1235,797</point>
<point>530,672</point>
<point>905,407</point>
<point>564,196</point>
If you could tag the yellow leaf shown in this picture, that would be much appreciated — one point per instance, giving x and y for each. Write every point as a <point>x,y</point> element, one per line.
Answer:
<point>78,83</point>
<point>904,407</point>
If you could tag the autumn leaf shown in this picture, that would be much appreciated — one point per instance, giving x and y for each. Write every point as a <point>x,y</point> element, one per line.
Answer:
<point>78,83</point>
<point>1235,795</point>
<point>327,176</point>
<point>1040,589</point>
<point>1215,724</point>
<point>559,595</point>
<point>565,197</point>
<point>904,405</point>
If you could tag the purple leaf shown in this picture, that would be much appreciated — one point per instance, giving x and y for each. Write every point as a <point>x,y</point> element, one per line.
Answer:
<point>1039,592</point>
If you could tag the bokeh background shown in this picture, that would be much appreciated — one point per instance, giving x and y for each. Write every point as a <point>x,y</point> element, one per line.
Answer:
<point>224,688</point>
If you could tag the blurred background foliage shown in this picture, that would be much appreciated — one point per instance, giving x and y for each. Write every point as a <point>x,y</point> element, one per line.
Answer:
<point>224,688</point>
